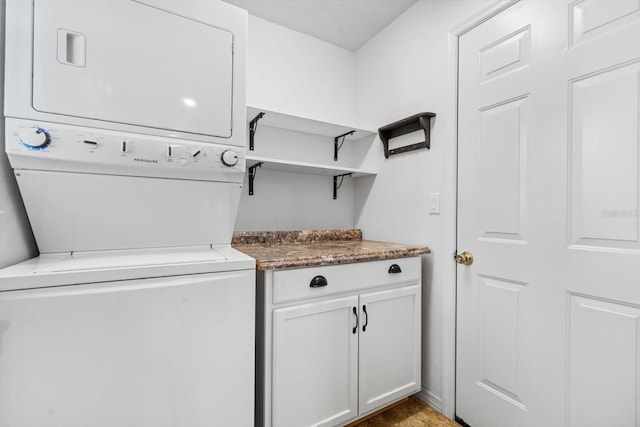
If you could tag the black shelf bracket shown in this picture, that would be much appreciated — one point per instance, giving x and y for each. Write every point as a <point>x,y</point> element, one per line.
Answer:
<point>420,121</point>
<point>253,126</point>
<point>336,140</point>
<point>336,185</point>
<point>252,175</point>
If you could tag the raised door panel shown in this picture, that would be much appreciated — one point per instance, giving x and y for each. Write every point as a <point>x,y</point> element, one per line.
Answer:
<point>502,183</point>
<point>604,138</point>
<point>591,19</point>
<point>499,359</point>
<point>315,356</point>
<point>603,362</point>
<point>505,55</point>
<point>389,346</point>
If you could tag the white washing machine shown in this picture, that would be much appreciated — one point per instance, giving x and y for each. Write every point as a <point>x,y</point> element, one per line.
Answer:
<point>120,126</point>
<point>150,339</point>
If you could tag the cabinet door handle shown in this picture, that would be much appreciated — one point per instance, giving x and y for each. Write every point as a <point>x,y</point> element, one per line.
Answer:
<point>355,313</point>
<point>318,282</point>
<point>366,318</point>
<point>395,268</point>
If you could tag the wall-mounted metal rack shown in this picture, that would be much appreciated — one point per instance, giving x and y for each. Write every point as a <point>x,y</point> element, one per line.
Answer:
<point>290,122</point>
<point>252,175</point>
<point>337,143</point>
<point>302,167</point>
<point>336,186</point>
<point>420,121</point>
<point>253,127</point>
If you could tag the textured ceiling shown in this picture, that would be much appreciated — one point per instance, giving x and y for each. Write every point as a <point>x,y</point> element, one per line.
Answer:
<point>345,23</point>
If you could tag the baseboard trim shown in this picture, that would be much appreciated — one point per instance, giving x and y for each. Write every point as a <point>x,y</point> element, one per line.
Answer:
<point>461,422</point>
<point>430,399</point>
<point>378,412</point>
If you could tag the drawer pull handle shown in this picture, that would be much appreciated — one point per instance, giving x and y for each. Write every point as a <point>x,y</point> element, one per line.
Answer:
<point>366,318</point>
<point>355,313</point>
<point>395,268</point>
<point>318,282</point>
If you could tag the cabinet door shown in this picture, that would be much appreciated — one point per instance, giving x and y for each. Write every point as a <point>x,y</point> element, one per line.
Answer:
<point>315,359</point>
<point>389,346</point>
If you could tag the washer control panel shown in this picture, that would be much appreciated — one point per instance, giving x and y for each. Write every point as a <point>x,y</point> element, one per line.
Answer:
<point>52,146</point>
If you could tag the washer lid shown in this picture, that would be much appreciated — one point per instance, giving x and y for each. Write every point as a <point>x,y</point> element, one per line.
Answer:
<point>105,266</point>
<point>101,260</point>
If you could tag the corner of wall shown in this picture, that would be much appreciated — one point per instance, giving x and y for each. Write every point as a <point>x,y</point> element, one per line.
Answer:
<point>406,69</point>
<point>430,399</point>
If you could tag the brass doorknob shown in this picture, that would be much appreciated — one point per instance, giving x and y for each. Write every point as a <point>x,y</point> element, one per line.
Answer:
<point>465,258</point>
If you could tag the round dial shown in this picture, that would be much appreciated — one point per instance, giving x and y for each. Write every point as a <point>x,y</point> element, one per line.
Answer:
<point>229,158</point>
<point>35,138</point>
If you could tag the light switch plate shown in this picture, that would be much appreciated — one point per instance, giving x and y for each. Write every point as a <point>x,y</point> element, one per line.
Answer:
<point>434,203</point>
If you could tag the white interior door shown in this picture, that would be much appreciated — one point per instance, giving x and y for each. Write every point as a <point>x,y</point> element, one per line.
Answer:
<point>549,184</point>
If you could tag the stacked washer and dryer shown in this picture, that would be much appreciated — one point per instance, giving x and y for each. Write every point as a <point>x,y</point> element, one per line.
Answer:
<point>125,126</point>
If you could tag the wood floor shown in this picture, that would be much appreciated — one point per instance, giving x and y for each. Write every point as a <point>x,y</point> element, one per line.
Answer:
<point>411,413</point>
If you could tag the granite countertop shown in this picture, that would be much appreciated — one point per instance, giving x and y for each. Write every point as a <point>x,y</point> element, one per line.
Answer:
<point>308,248</point>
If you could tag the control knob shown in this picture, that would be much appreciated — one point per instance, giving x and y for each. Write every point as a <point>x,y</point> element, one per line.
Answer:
<point>229,158</point>
<point>35,138</point>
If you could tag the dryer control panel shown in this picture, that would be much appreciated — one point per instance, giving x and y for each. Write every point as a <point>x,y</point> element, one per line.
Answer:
<point>66,148</point>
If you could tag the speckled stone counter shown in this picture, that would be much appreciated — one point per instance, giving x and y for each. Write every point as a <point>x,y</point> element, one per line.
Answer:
<point>292,249</point>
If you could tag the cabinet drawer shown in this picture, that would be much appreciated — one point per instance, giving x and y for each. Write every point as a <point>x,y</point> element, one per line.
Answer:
<point>296,284</point>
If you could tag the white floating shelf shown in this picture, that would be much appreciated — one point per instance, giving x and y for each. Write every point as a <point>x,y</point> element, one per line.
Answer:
<point>302,167</point>
<point>303,124</point>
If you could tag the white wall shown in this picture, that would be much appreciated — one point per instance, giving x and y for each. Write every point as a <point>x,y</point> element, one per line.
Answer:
<point>16,239</point>
<point>404,70</point>
<point>293,73</point>
<point>297,74</point>
<point>294,201</point>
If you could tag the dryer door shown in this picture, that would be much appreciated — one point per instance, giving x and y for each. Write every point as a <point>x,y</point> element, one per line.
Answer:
<point>125,62</point>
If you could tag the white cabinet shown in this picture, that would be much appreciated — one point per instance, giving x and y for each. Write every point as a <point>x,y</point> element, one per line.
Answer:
<point>332,353</point>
